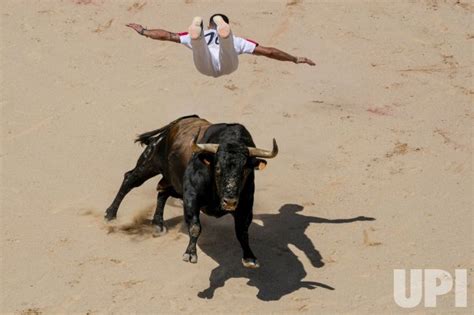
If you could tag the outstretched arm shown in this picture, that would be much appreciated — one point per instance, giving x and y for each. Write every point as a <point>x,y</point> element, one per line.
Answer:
<point>155,34</point>
<point>277,54</point>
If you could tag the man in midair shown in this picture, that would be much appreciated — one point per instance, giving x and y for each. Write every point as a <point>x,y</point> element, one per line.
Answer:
<point>216,50</point>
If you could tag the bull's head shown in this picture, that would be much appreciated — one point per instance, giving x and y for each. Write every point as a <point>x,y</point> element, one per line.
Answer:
<point>230,165</point>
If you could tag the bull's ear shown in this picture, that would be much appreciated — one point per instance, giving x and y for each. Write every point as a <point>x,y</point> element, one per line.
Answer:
<point>207,159</point>
<point>259,164</point>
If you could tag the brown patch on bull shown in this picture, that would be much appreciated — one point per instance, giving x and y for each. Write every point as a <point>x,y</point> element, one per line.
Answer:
<point>181,135</point>
<point>163,185</point>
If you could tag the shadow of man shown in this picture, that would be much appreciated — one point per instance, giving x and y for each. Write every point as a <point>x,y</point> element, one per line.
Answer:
<point>281,272</point>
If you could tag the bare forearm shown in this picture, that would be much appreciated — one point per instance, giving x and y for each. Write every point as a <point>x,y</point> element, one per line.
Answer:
<point>275,53</point>
<point>157,34</point>
<point>278,54</point>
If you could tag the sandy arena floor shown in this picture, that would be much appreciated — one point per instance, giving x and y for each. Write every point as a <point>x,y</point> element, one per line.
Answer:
<point>380,128</point>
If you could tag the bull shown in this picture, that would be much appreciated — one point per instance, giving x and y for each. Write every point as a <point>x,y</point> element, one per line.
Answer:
<point>209,166</point>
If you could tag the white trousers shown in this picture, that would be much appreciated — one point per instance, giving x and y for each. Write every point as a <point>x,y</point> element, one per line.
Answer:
<point>210,65</point>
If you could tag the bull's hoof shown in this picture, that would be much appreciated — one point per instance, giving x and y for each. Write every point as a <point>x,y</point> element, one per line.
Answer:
<point>160,230</point>
<point>251,263</point>
<point>192,258</point>
<point>109,216</point>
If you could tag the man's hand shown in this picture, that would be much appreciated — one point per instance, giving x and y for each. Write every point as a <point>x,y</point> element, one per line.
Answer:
<point>305,60</point>
<point>137,27</point>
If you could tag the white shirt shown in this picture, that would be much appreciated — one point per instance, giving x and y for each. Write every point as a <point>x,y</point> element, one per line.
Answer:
<point>241,45</point>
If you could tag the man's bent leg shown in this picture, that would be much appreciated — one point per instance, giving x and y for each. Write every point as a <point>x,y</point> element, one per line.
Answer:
<point>201,55</point>
<point>228,58</point>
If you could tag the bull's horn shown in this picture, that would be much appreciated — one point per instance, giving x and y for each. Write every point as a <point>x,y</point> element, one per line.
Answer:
<point>256,152</point>
<point>203,147</point>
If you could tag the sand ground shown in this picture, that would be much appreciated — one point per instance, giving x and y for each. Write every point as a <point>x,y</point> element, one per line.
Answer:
<point>380,128</point>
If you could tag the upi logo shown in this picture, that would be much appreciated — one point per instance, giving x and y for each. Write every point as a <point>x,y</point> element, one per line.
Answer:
<point>435,282</point>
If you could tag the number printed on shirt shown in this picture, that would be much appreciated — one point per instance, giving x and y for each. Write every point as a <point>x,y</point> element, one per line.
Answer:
<point>212,36</point>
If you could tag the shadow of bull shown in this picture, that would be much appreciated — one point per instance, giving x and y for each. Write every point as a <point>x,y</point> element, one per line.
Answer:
<point>281,272</point>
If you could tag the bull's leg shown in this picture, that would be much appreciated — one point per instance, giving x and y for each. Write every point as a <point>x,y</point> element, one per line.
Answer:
<point>242,222</point>
<point>132,179</point>
<point>144,170</point>
<point>191,216</point>
<point>242,219</point>
<point>160,206</point>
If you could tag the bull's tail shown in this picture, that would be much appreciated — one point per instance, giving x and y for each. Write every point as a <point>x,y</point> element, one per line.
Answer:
<point>147,137</point>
